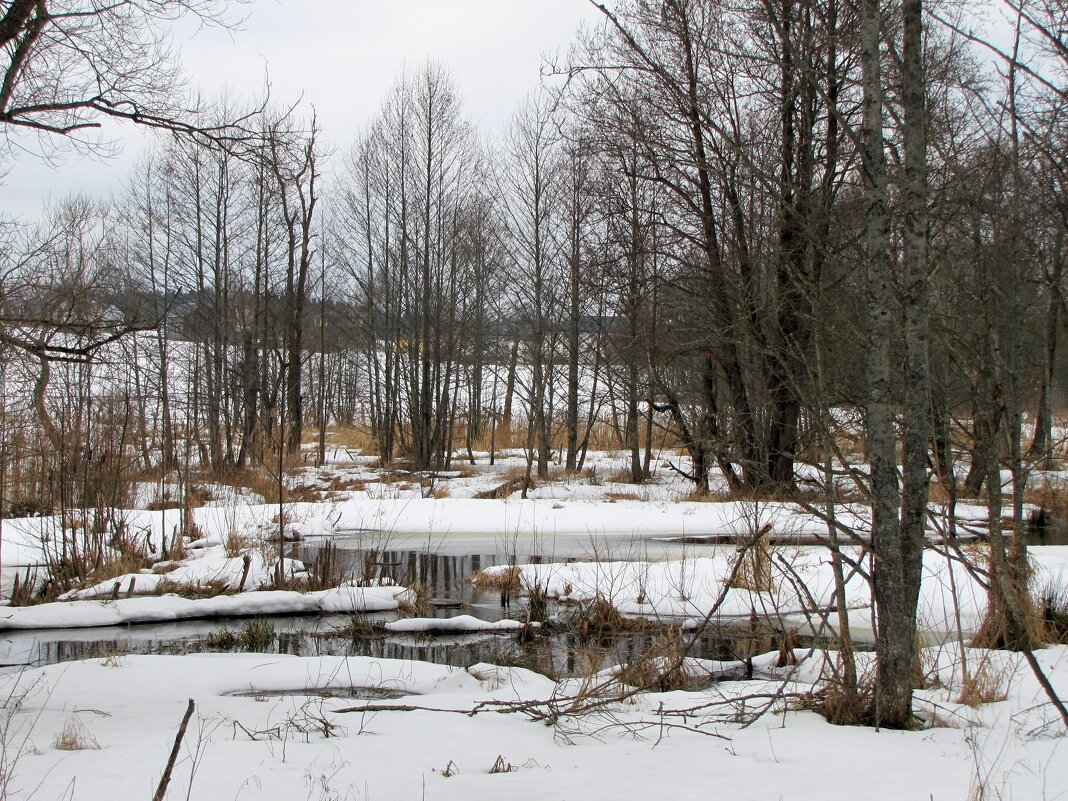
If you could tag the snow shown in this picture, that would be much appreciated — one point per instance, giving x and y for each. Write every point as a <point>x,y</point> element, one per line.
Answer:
<point>269,726</point>
<point>626,750</point>
<point>687,590</point>
<point>458,624</point>
<point>150,609</point>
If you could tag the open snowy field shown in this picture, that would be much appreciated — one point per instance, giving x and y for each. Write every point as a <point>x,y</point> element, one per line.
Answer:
<point>272,727</point>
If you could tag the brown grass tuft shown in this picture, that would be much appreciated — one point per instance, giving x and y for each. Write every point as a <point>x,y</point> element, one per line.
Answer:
<point>753,564</point>
<point>75,737</point>
<point>983,685</point>
<point>504,580</point>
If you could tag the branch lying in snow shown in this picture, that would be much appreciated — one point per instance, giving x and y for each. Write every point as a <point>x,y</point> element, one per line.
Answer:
<point>505,707</point>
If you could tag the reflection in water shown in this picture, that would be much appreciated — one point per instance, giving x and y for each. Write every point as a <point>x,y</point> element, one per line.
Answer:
<point>558,653</point>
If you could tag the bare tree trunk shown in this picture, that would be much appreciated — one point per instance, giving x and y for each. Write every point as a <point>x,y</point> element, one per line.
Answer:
<point>895,641</point>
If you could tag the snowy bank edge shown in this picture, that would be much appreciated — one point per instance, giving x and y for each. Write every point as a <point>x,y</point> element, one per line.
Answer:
<point>167,608</point>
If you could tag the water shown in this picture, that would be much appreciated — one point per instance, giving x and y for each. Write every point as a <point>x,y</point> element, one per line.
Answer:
<point>1048,529</point>
<point>445,575</point>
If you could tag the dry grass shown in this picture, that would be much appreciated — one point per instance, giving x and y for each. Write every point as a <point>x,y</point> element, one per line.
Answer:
<point>661,666</point>
<point>984,684</point>
<point>236,544</point>
<point>504,581</point>
<point>1048,497</point>
<point>1053,608</point>
<point>752,565</point>
<point>613,497</point>
<point>416,601</point>
<point>75,737</point>
<point>353,438</point>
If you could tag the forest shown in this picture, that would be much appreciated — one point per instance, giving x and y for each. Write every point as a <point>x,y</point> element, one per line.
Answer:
<point>779,263</point>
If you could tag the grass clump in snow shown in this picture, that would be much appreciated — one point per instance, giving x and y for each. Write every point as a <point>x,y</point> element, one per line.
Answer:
<point>985,684</point>
<point>75,737</point>
<point>751,567</point>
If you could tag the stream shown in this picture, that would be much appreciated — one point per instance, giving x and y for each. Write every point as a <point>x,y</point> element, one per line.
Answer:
<point>444,569</point>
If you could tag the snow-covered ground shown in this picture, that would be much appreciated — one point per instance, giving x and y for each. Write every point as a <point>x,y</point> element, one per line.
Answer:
<point>268,727</point>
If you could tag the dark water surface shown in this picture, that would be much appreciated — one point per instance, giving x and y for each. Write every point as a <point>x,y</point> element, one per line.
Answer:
<point>562,652</point>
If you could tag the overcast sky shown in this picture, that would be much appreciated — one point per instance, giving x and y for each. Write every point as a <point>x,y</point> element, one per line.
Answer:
<point>342,56</point>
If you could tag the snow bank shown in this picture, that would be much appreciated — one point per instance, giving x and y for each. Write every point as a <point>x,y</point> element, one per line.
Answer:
<point>688,589</point>
<point>152,609</point>
<point>461,624</point>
